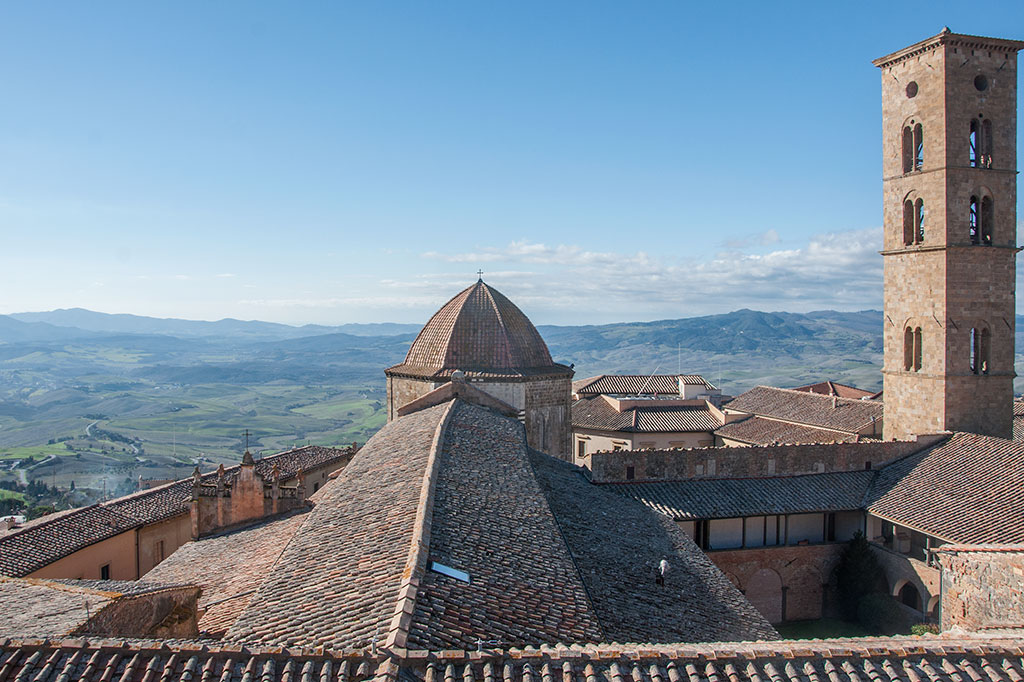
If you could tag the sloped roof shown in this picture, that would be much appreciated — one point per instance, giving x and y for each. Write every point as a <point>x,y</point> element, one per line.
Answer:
<point>229,567</point>
<point>478,331</point>
<point>809,409</point>
<point>762,431</point>
<point>1018,419</point>
<point>731,498</point>
<point>658,384</point>
<point>53,537</point>
<point>882,659</point>
<point>966,490</point>
<point>829,387</point>
<point>595,413</point>
<point>455,484</point>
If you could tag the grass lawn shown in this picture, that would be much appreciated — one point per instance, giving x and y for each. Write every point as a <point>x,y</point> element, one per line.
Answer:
<point>826,628</point>
<point>8,494</point>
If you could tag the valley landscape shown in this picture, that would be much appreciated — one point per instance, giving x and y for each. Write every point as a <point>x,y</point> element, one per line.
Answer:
<point>96,401</point>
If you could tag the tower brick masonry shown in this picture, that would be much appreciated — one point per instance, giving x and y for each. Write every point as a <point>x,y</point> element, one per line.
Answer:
<point>949,140</point>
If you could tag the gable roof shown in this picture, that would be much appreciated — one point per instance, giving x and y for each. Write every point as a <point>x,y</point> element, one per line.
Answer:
<point>596,413</point>
<point>731,497</point>
<point>40,543</point>
<point>658,384</point>
<point>809,409</point>
<point>764,431</point>
<point>829,387</point>
<point>967,490</point>
<point>455,484</point>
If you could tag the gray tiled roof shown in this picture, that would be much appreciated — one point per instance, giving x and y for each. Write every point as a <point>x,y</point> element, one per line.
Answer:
<point>809,409</point>
<point>730,498</point>
<point>967,489</point>
<point>661,384</point>
<point>762,431</point>
<point>48,539</point>
<point>880,659</point>
<point>595,413</point>
<point>617,544</point>
<point>547,558</point>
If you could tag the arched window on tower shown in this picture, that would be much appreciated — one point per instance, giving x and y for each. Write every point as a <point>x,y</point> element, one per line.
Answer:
<point>974,152</point>
<point>919,220</point>
<point>908,349</point>
<point>987,220</point>
<point>975,235</point>
<point>975,350</point>
<point>908,222</point>
<point>986,143</point>
<point>918,353</point>
<point>918,147</point>
<point>908,149</point>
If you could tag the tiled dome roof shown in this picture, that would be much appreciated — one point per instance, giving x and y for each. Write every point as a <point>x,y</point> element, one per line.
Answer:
<point>479,331</point>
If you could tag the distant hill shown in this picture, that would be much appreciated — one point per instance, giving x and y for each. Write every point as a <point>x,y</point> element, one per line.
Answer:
<point>88,320</point>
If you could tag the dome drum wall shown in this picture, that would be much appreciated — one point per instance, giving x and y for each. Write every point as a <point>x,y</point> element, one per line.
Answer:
<point>483,334</point>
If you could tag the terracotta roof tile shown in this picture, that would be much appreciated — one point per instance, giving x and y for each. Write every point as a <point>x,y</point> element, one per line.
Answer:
<point>890,659</point>
<point>659,384</point>
<point>53,537</point>
<point>478,330</point>
<point>836,389</point>
<point>967,490</point>
<point>808,409</point>
<point>762,431</point>
<point>595,413</point>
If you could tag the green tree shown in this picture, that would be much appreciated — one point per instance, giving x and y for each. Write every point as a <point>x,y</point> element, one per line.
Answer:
<point>857,575</point>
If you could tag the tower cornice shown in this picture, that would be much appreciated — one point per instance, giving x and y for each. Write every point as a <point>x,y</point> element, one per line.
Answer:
<point>947,37</point>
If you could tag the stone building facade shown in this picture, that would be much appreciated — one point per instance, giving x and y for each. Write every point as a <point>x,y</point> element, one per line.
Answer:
<point>483,335</point>
<point>949,106</point>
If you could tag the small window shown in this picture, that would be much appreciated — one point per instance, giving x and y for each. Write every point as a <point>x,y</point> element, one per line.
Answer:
<point>630,473</point>
<point>867,466</point>
<point>105,572</point>
<point>830,527</point>
<point>581,448</point>
<point>701,533</point>
<point>973,222</point>
<point>912,89</point>
<point>981,82</point>
<point>918,147</point>
<point>987,220</point>
<point>448,571</point>
<point>983,351</point>
<point>908,349</point>
<point>908,222</point>
<point>919,221</point>
<point>918,352</point>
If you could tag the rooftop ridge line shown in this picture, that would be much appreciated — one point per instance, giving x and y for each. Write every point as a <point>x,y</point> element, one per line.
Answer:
<point>501,323</point>
<point>419,549</point>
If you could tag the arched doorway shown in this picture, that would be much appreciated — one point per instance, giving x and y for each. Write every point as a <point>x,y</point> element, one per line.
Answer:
<point>909,596</point>
<point>764,591</point>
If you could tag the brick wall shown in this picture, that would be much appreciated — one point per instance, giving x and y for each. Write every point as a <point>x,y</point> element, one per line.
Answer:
<point>784,583</point>
<point>169,614</point>
<point>749,462</point>
<point>982,588</point>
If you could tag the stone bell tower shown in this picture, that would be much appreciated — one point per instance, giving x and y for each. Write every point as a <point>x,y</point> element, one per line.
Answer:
<point>949,141</point>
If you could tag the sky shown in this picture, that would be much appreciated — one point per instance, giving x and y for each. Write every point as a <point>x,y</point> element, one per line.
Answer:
<point>336,162</point>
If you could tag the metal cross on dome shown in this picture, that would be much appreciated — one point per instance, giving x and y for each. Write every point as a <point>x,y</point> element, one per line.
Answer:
<point>480,275</point>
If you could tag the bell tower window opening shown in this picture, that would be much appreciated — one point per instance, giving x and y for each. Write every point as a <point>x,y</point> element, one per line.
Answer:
<point>973,153</point>
<point>918,147</point>
<point>919,220</point>
<point>981,143</point>
<point>908,149</point>
<point>987,219</point>
<point>975,235</point>
<point>975,351</point>
<point>908,222</point>
<point>908,349</point>
<point>980,341</point>
<point>986,143</point>
<point>984,346</point>
<point>917,350</point>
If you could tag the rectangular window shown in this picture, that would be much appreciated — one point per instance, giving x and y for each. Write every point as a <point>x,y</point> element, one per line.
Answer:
<point>581,448</point>
<point>158,552</point>
<point>105,572</point>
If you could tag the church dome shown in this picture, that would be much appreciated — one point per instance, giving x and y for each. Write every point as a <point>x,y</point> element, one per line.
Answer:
<point>480,332</point>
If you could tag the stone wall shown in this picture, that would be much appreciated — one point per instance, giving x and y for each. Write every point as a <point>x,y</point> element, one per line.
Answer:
<point>166,614</point>
<point>784,583</point>
<point>221,504</point>
<point>749,462</point>
<point>549,415</point>
<point>982,587</point>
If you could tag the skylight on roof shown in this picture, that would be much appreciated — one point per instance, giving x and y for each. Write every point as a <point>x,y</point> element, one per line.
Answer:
<point>448,571</point>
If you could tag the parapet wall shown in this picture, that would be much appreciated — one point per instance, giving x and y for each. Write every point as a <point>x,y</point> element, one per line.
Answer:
<point>749,462</point>
<point>982,587</point>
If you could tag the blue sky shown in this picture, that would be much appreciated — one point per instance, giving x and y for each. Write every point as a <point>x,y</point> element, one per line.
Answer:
<point>338,162</point>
